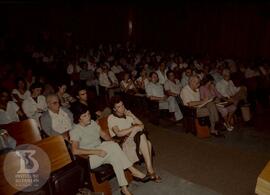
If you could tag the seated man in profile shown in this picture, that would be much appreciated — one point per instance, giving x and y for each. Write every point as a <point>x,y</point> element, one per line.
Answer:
<point>190,96</point>
<point>56,120</point>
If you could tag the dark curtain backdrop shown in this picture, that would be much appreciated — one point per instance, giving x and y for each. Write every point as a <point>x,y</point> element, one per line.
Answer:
<point>229,30</point>
<point>226,30</point>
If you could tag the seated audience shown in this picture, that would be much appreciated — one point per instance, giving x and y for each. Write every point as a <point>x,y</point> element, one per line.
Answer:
<point>161,72</point>
<point>9,110</point>
<point>127,85</point>
<point>142,81</point>
<point>227,89</point>
<point>190,96</point>
<point>65,98</point>
<point>85,138</point>
<point>57,119</point>
<point>108,81</point>
<point>81,94</point>
<point>123,123</point>
<point>20,93</point>
<point>155,91</point>
<point>36,104</point>
<point>208,91</point>
<point>185,76</point>
<point>172,88</point>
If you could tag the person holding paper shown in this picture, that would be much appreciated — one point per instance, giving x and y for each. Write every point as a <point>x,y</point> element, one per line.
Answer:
<point>208,90</point>
<point>190,96</point>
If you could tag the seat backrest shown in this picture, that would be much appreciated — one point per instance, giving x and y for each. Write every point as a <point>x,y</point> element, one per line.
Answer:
<point>103,123</point>
<point>57,151</point>
<point>24,132</point>
<point>5,187</point>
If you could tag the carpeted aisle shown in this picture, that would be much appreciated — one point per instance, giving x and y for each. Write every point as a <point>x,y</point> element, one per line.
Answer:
<point>218,164</point>
<point>171,185</point>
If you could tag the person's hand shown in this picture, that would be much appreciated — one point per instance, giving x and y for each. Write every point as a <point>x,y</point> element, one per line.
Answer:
<point>164,98</point>
<point>102,153</point>
<point>137,128</point>
<point>128,113</point>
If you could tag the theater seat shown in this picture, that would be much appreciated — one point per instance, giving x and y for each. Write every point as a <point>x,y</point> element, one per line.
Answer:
<point>100,176</point>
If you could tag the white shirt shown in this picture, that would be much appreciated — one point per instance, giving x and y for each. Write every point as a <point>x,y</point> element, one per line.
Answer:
<point>70,69</point>
<point>30,107</point>
<point>121,123</point>
<point>173,87</point>
<point>61,123</point>
<point>10,114</point>
<point>249,73</point>
<point>116,69</point>
<point>24,96</point>
<point>145,81</point>
<point>188,95</point>
<point>154,89</point>
<point>162,77</point>
<point>227,88</point>
<point>183,65</point>
<point>104,80</point>
<point>184,80</point>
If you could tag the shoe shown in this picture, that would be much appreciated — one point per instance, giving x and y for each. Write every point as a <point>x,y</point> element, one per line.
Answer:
<point>144,180</point>
<point>154,177</point>
<point>229,128</point>
<point>122,193</point>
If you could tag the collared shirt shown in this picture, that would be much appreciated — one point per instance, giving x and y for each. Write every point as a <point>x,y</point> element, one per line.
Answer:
<point>104,79</point>
<point>30,107</point>
<point>154,89</point>
<point>61,122</point>
<point>227,88</point>
<point>88,137</point>
<point>121,123</point>
<point>162,77</point>
<point>188,95</point>
<point>10,114</point>
<point>24,96</point>
<point>174,87</point>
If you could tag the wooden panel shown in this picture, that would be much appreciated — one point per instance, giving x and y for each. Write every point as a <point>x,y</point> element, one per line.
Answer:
<point>100,187</point>
<point>5,187</point>
<point>24,132</point>
<point>103,123</point>
<point>56,150</point>
<point>263,181</point>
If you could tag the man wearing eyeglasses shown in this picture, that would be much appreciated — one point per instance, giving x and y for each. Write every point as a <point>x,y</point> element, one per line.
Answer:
<point>56,120</point>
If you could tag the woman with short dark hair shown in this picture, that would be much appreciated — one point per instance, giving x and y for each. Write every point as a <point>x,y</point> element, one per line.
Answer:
<point>85,138</point>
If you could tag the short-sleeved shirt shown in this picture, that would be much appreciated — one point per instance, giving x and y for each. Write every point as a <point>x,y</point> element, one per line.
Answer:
<point>173,87</point>
<point>188,95</point>
<point>121,123</point>
<point>88,137</point>
<point>154,89</point>
<point>10,114</point>
<point>24,96</point>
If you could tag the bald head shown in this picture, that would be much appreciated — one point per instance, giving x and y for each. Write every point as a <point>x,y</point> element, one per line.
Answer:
<point>194,82</point>
<point>53,102</point>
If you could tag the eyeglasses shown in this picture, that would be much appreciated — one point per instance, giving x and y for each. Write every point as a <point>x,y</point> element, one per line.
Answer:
<point>54,103</point>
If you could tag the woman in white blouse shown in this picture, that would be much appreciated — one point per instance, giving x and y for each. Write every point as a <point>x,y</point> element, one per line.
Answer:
<point>20,93</point>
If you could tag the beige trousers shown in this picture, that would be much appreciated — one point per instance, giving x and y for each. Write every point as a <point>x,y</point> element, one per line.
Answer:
<point>210,110</point>
<point>116,157</point>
